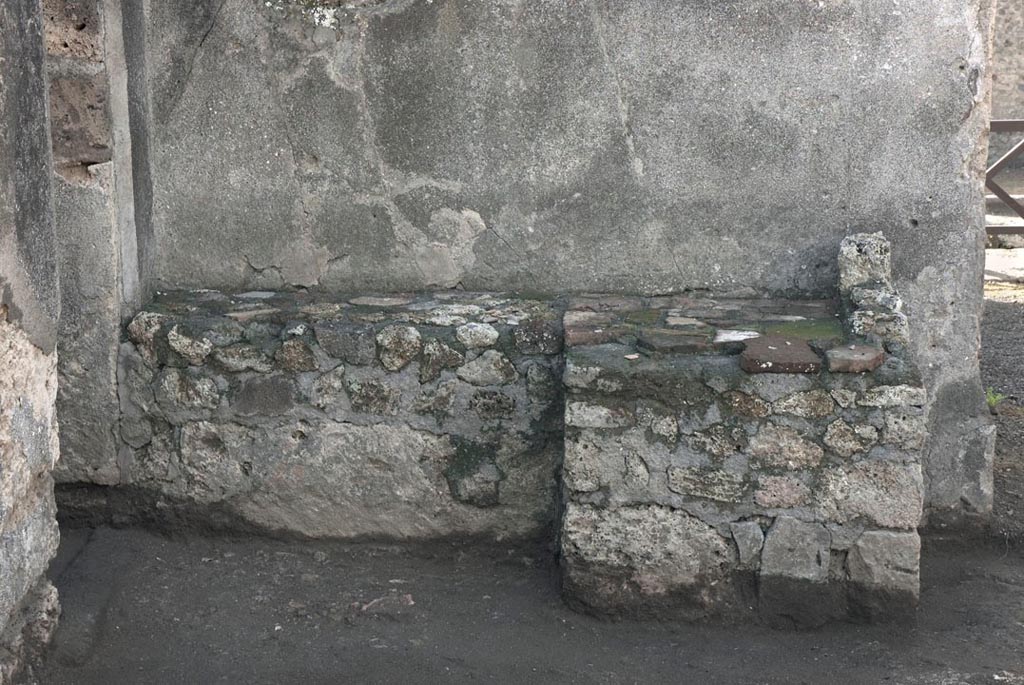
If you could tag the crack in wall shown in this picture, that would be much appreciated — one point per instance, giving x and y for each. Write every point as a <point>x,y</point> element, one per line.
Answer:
<point>636,163</point>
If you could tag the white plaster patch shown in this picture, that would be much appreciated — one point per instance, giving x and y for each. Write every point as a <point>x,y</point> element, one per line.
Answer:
<point>725,335</point>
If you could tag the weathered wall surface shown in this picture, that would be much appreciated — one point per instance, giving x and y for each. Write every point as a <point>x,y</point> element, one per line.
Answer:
<point>94,215</point>
<point>29,306</point>
<point>643,146</point>
<point>1007,71</point>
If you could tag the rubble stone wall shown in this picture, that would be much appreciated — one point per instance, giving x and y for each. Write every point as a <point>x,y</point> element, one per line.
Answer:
<point>378,417</point>
<point>701,482</point>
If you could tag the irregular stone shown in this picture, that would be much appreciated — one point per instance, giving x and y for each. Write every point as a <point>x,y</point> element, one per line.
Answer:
<point>778,354</point>
<point>885,494</point>
<point>135,430</point>
<point>380,301</point>
<point>263,334</point>
<point>893,396</point>
<point>538,335</point>
<point>614,559</point>
<point>143,330</point>
<point>635,471</point>
<point>587,318</point>
<point>909,431</point>
<point>720,440</point>
<point>864,258</point>
<point>224,332</point>
<point>582,469</point>
<point>373,397</point>
<point>747,405</point>
<point>187,391</point>
<point>265,396</point>
<point>295,355</point>
<point>846,440</point>
<point>673,341</point>
<point>854,358</point>
<point>781,492</point>
<point>477,335</point>
<point>707,483</point>
<point>492,404</point>
<point>655,416</point>
<point>214,459</point>
<point>796,549</point>
<point>814,404</point>
<point>438,402</point>
<point>676,319</point>
<point>195,350</point>
<point>749,539</point>
<point>888,561</point>
<point>329,389</point>
<point>582,336</point>
<point>398,345</point>
<point>587,415</point>
<point>889,327</point>
<point>844,398</point>
<point>878,298</point>
<point>353,344</point>
<point>436,357</point>
<point>541,384</point>
<point>490,368</point>
<point>480,488</point>
<point>242,358</point>
<point>783,447</point>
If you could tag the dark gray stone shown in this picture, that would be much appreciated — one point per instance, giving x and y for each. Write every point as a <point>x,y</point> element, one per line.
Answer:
<point>265,396</point>
<point>353,344</point>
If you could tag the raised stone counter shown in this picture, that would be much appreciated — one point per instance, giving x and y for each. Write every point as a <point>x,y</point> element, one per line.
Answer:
<point>387,417</point>
<point>713,454</point>
<point>699,481</point>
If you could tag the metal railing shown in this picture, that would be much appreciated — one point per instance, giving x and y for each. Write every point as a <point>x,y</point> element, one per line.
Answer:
<point>1005,126</point>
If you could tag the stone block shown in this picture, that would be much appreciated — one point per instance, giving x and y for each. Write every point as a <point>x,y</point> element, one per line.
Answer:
<point>854,358</point>
<point>884,568</point>
<point>777,354</point>
<point>864,259</point>
<point>749,539</point>
<point>80,119</point>
<point>73,28</point>
<point>641,559</point>
<point>796,549</point>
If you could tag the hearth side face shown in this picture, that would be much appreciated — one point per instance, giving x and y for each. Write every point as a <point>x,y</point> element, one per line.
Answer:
<point>701,482</point>
<point>373,417</point>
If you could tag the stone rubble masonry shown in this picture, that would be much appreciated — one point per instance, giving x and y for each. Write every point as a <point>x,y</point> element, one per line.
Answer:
<point>371,417</point>
<point>699,483</point>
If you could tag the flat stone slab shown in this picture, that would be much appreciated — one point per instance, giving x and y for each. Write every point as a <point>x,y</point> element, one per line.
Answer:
<point>854,358</point>
<point>777,354</point>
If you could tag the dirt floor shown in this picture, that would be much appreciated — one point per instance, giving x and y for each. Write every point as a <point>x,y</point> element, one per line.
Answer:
<point>140,608</point>
<point>1002,373</point>
<point>143,608</point>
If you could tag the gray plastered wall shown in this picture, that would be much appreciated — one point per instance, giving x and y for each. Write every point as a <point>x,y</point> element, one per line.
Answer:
<point>634,147</point>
